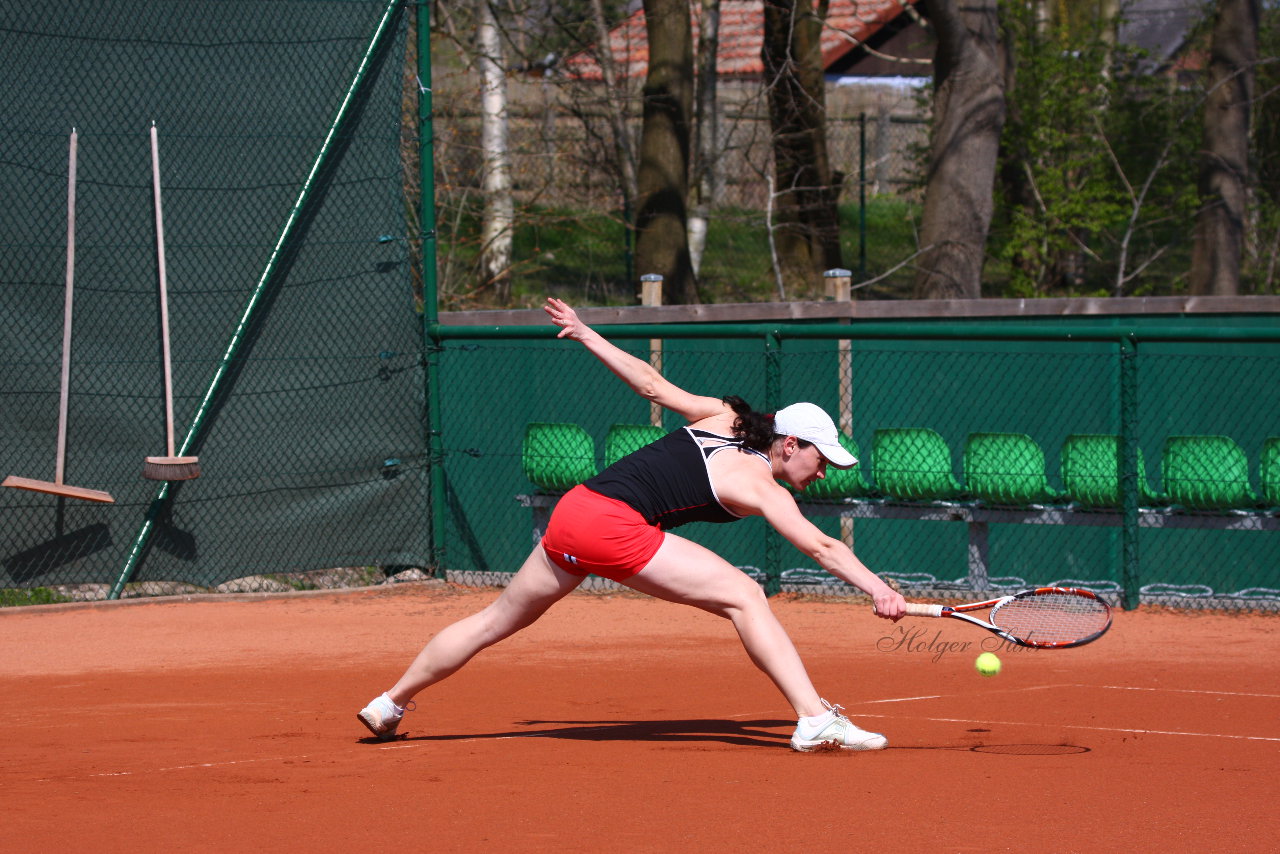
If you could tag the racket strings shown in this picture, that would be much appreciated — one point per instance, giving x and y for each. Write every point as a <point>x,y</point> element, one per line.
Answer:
<point>1052,618</point>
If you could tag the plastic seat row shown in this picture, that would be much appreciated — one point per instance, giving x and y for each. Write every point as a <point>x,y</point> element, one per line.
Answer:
<point>1008,469</point>
<point>1002,469</point>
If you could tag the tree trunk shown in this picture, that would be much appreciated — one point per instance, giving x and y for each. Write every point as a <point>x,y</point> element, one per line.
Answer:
<point>662,246</point>
<point>706,169</point>
<point>615,102</point>
<point>968,116</point>
<point>1012,169</point>
<point>1224,165</point>
<point>807,233</point>
<point>495,170</point>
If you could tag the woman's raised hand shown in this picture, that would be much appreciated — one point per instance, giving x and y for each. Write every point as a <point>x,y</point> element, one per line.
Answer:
<point>563,315</point>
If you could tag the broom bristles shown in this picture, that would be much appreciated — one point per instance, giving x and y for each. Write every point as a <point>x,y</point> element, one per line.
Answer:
<point>171,468</point>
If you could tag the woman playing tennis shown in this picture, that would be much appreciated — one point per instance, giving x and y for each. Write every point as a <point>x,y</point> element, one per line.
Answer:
<point>725,465</point>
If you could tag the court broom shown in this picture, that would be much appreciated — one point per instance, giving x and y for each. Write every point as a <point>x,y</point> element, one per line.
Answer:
<point>58,487</point>
<point>167,467</point>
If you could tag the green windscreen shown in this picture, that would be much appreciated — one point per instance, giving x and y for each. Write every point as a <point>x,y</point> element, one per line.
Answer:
<point>309,433</point>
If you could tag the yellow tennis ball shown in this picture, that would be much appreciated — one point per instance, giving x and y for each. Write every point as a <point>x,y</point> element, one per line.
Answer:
<point>987,664</point>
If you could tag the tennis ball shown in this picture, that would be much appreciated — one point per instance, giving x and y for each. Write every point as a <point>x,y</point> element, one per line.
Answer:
<point>987,664</point>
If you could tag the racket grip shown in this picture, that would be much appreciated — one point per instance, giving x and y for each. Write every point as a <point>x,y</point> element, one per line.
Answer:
<point>920,609</point>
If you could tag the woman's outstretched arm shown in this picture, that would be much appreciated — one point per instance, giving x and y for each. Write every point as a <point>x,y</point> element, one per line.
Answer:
<point>638,374</point>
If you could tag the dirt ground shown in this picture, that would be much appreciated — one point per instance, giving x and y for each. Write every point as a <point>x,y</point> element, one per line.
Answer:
<point>624,724</point>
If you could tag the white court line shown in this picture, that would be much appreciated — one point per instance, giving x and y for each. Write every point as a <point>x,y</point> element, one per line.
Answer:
<point>1180,691</point>
<point>1024,688</point>
<point>1081,726</point>
<point>985,692</point>
<point>182,767</point>
<point>901,699</point>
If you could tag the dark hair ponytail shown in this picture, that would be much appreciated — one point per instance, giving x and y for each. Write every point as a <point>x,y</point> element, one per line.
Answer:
<point>753,429</point>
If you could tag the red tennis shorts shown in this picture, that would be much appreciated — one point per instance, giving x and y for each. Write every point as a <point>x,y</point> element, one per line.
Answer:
<point>590,533</point>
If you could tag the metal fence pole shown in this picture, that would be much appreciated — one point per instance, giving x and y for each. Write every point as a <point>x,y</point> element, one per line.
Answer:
<point>772,396</point>
<point>839,287</point>
<point>1130,483</point>
<point>430,293</point>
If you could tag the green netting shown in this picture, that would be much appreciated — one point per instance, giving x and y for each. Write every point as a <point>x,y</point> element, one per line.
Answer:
<point>1005,523</point>
<point>312,448</point>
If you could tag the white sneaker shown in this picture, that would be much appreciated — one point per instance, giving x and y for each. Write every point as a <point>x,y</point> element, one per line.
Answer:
<point>382,716</point>
<point>835,731</point>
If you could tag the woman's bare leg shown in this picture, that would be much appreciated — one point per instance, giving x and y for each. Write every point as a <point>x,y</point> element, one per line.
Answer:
<point>689,574</point>
<point>536,587</point>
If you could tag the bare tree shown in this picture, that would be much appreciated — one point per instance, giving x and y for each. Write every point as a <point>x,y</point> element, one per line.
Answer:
<point>969,113</point>
<point>1136,195</point>
<point>499,205</point>
<point>706,161</point>
<point>616,107</point>
<point>662,246</point>
<point>1224,165</point>
<point>807,233</point>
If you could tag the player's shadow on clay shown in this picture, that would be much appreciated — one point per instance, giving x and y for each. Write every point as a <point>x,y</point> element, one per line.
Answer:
<point>701,730</point>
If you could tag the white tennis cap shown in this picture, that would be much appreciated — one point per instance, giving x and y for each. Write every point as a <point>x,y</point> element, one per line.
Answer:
<point>809,422</point>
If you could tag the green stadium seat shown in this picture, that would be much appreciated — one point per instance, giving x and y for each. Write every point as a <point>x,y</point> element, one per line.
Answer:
<point>913,464</point>
<point>1007,469</point>
<point>1206,473</point>
<point>841,483</point>
<point>1269,471</point>
<point>622,439</point>
<point>557,456</point>
<point>1091,471</point>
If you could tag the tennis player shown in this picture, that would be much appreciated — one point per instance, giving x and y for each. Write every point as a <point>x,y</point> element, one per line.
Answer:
<point>725,465</point>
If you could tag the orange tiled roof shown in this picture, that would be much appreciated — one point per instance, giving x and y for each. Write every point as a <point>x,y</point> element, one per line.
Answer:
<point>848,23</point>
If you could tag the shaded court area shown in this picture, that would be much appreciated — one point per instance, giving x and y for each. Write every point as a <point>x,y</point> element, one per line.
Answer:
<point>627,724</point>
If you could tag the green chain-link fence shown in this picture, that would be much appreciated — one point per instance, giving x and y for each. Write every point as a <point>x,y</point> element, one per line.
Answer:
<point>994,456</point>
<point>296,351</point>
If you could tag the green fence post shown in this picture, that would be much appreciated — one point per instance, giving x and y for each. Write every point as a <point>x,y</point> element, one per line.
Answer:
<point>430,294</point>
<point>1129,483</point>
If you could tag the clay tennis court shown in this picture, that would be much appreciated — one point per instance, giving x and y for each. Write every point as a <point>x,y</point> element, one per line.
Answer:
<point>625,724</point>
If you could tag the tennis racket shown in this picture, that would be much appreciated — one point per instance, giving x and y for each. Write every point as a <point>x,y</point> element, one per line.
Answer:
<point>1043,617</point>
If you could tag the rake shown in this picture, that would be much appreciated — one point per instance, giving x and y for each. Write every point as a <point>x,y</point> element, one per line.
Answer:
<point>57,487</point>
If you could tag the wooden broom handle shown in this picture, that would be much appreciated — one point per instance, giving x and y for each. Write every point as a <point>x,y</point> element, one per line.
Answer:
<point>164,298</point>
<point>65,388</point>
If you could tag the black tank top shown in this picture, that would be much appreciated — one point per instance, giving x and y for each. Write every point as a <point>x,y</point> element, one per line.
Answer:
<point>668,481</point>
